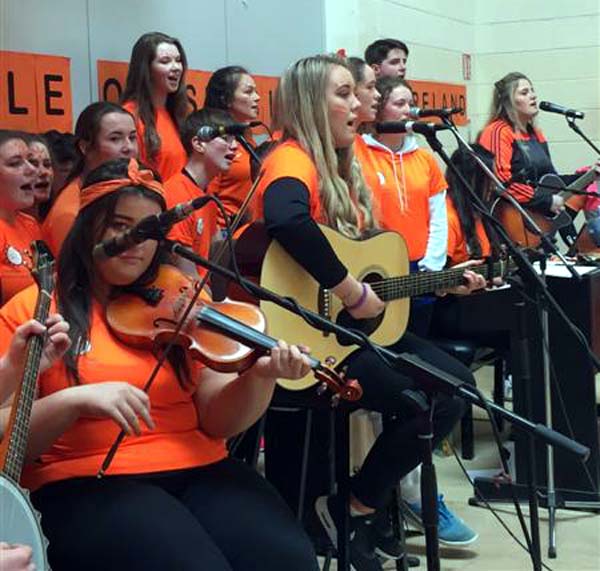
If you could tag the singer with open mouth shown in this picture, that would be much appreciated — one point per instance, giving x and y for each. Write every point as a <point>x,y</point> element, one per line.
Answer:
<point>155,95</point>
<point>233,90</point>
<point>17,229</point>
<point>520,147</point>
<point>311,177</point>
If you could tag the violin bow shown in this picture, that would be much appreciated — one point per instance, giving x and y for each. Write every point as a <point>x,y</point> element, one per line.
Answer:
<point>199,286</point>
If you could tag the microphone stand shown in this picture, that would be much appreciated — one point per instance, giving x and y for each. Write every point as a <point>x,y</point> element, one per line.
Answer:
<point>249,148</point>
<point>573,125</point>
<point>429,378</point>
<point>545,299</point>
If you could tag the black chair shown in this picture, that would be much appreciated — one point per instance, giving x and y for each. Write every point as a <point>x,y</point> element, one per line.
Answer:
<point>475,357</point>
<point>324,433</point>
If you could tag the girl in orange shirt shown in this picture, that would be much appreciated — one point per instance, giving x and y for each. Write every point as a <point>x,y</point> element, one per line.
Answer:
<point>311,177</point>
<point>17,229</point>
<point>155,94</point>
<point>103,131</point>
<point>233,89</point>
<point>39,157</point>
<point>172,499</point>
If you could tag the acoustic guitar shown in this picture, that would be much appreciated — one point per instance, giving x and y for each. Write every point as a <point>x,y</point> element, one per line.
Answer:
<point>381,260</point>
<point>516,227</point>
<point>19,521</point>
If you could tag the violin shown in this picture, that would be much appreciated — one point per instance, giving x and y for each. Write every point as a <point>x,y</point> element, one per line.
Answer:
<point>227,336</point>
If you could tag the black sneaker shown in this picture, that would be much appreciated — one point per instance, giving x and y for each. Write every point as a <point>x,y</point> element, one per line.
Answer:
<point>362,552</point>
<point>387,545</point>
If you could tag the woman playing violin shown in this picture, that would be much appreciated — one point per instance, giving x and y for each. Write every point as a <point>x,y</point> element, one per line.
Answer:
<point>172,498</point>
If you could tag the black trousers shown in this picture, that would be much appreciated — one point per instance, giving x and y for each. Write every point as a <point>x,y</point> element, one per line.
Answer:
<point>220,517</point>
<point>397,449</point>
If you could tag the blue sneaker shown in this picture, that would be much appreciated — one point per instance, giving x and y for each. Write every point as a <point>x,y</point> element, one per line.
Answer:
<point>451,529</point>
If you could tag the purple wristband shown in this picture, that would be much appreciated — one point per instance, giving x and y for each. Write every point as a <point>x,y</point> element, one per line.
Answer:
<point>361,299</point>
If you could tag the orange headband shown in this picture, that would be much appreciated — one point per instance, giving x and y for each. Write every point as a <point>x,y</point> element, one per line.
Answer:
<point>135,177</point>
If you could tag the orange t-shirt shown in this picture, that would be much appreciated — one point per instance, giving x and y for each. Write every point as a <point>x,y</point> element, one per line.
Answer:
<point>289,160</point>
<point>199,228</point>
<point>16,258</point>
<point>60,219</point>
<point>171,156</point>
<point>176,442</point>
<point>232,187</point>
<point>367,162</point>
<point>418,172</point>
<point>457,244</point>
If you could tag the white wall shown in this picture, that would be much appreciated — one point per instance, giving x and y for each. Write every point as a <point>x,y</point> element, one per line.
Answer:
<point>255,33</point>
<point>436,36</point>
<point>556,44</point>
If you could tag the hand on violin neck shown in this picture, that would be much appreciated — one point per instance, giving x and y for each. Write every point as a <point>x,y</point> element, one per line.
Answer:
<point>284,362</point>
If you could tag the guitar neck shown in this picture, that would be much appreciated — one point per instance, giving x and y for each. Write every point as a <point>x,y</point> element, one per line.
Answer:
<point>18,424</point>
<point>579,184</point>
<point>428,282</point>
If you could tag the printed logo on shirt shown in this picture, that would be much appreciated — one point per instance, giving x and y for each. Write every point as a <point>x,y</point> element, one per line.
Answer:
<point>381,178</point>
<point>199,226</point>
<point>13,256</point>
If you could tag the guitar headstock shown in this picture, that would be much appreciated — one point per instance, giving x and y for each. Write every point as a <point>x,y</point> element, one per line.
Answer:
<point>43,266</point>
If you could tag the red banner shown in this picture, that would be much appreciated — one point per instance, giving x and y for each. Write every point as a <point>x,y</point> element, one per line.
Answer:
<point>35,92</point>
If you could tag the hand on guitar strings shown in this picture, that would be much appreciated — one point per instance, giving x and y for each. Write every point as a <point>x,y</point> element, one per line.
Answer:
<point>473,280</point>
<point>558,204</point>
<point>359,299</point>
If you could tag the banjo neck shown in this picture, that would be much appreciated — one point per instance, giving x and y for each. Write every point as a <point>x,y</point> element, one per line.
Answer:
<point>14,444</point>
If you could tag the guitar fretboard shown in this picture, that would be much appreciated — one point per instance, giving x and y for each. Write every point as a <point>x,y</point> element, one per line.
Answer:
<point>421,283</point>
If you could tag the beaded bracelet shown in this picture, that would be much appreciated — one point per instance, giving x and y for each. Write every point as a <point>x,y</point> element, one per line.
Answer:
<point>360,300</point>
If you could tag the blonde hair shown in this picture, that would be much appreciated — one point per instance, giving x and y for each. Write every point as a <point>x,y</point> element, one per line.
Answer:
<point>503,100</point>
<point>302,115</point>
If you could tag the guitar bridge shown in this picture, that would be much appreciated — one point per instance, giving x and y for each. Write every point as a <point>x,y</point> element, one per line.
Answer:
<point>324,305</point>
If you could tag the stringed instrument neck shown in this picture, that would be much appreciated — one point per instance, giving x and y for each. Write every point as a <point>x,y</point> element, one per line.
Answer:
<point>14,443</point>
<point>421,283</point>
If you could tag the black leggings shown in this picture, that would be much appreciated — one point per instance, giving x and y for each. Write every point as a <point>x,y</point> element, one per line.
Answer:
<point>220,517</point>
<point>397,449</point>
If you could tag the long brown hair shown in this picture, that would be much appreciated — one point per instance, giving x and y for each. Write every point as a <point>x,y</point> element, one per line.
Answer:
<point>302,111</point>
<point>138,88</point>
<point>503,99</point>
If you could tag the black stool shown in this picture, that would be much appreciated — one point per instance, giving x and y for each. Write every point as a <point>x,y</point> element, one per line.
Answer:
<point>475,356</point>
<point>317,411</point>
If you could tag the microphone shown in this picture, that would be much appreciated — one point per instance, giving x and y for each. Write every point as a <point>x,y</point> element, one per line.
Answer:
<point>409,127</point>
<point>153,227</point>
<point>417,112</point>
<point>207,133</point>
<point>554,108</point>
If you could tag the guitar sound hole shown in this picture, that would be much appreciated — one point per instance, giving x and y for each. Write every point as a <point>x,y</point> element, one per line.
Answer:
<point>367,326</point>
